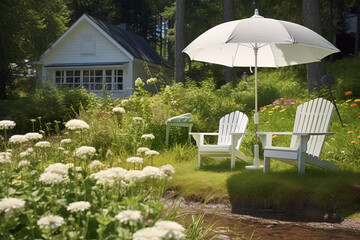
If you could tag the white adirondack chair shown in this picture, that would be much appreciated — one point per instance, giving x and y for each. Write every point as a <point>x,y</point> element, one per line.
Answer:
<point>311,125</point>
<point>231,130</point>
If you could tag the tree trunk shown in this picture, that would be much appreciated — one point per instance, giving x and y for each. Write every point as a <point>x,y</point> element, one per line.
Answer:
<point>311,19</point>
<point>180,41</point>
<point>229,16</point>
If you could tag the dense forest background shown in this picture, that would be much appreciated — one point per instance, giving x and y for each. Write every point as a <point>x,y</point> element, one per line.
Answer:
<point>29,27</point>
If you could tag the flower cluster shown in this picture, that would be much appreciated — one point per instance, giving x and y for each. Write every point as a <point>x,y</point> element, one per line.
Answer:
<point>85,151</point>
<point>96,164</point>
<point>78,206</point>
<point>7,124</point>
<point>151,81</point>
<point>43,144</point>
<point>33,136</point>
<point>135,160</point>
<point>5,157</point>
<point>148,136</point>
<point>76,124</point>
<point>11,205</point>
<point>139,82</point>
<point>119,110</point>
<point>50,222</point>
<point>131,217</point>
<point>18,139</point>
<point>161,230</point>
<point>278,103</point>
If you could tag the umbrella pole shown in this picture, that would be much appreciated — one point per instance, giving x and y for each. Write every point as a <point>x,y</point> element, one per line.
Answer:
<point>256,119</point>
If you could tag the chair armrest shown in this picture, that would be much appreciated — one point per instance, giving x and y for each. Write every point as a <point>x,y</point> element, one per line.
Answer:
<point>266,137</point>
<point>199,137</point>
<point>314,134</point>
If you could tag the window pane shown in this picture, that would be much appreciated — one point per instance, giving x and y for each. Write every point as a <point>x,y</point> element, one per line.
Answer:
<point>119,79</point>
<point>108,79</point>
<point>77,73</point>
<point>86,73</point>
<point>77,79</point>
<point>119,72</point>
<point>108,87</point>
<point>86,86</point>
<point>58,73</point>
<point>98,86</point>
<point>98,79</point>
<point>108,72</point>
<point>69,79</point>
<point>98,72</point>
<point>69,73</point>
<point>120,87</point>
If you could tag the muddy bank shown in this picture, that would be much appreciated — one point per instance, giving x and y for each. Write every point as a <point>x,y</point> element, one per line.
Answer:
<point>237,223</point>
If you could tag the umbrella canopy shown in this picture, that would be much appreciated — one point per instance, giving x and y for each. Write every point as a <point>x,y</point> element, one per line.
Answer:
<point>259,42</point>
<point>279,44</point>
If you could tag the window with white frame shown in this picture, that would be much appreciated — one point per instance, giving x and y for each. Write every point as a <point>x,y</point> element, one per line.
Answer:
<point>90,79</point>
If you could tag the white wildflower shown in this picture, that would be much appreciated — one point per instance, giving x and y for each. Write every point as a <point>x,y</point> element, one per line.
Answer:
<point>139,82</point>
<point>119,110</point>
<point>5,157</point>
<point>109,176</point>
<point>151,153</point>
<point>131,217</point>
<point>138,119</point>
<point>134,176</point>
<point>11,205</point>
<point>124,101</point>
<point>142,150</point>
<point>7,124</point>
<point>148,136</point>
<point>167,169</point>
<point>135,160</point>
<point>75,124</point>
<point>173,229</point>
<point>61,149</point>
<point>33,136</point>
<point>78,206</point>
<point>58,168</point>
<point>96,164</point>
<point>65,141</point>
<point>43,144</point>
<point>50,221</point>
<point>18,139</point>
<point>23,163</point>
<point>85,151</point>
<point>50,178</point>
<point>149,233</point>
<point>154,172</point>
<point>151,81</point>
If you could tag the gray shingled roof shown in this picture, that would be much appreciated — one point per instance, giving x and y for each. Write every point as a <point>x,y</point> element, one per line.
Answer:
<point>134,44</point>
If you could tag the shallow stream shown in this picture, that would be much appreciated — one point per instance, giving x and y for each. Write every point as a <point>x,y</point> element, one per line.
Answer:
<point>267,225</point>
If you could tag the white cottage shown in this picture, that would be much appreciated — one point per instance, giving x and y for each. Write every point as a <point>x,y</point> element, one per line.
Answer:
<point>93,54</point>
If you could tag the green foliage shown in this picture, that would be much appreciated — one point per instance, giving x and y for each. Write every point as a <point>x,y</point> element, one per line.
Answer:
<point>48,103</point>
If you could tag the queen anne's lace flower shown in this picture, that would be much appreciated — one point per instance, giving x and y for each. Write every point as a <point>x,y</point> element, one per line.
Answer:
<point>5,157</point>
<point>138,119</point>
<point>142,149</point>
<point>65,141</point>
<point>149,233</point>
<point>148,136</point>
<point>151,81</point>
<point>75,124</point>
<point>131,217</point>
<point>43,144</point>
<point>78,206</point>
<point>154,172</point>
<point>50,222</point>
<point>109,176</point>
<point>33,136</point>
<point>7,124</point>
<point>119,110</point>
<point>96,164</point>
<point>151,153</point>
<point>134,176</point>
<point>135,160</point>
<point>173,229</point>
<point>11,205</point>
<point>167,169</point>
<point>50,178</point>
<point>18,139</point>
<point>23,163</point>
<point>85,151</point>
<point>58,168</point>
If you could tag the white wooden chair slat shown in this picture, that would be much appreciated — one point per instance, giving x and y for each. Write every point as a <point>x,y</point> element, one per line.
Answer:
<point>311,117</point>
<point>235,122</point>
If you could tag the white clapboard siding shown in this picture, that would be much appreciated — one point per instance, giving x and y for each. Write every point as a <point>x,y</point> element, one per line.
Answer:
<point>70,51</point>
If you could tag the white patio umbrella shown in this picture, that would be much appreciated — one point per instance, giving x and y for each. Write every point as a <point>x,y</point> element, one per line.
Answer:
<point>259,42</point>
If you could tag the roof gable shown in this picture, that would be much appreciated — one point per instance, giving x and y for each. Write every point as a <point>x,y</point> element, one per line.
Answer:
<point>134,44</point>
<point>131,44</point>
